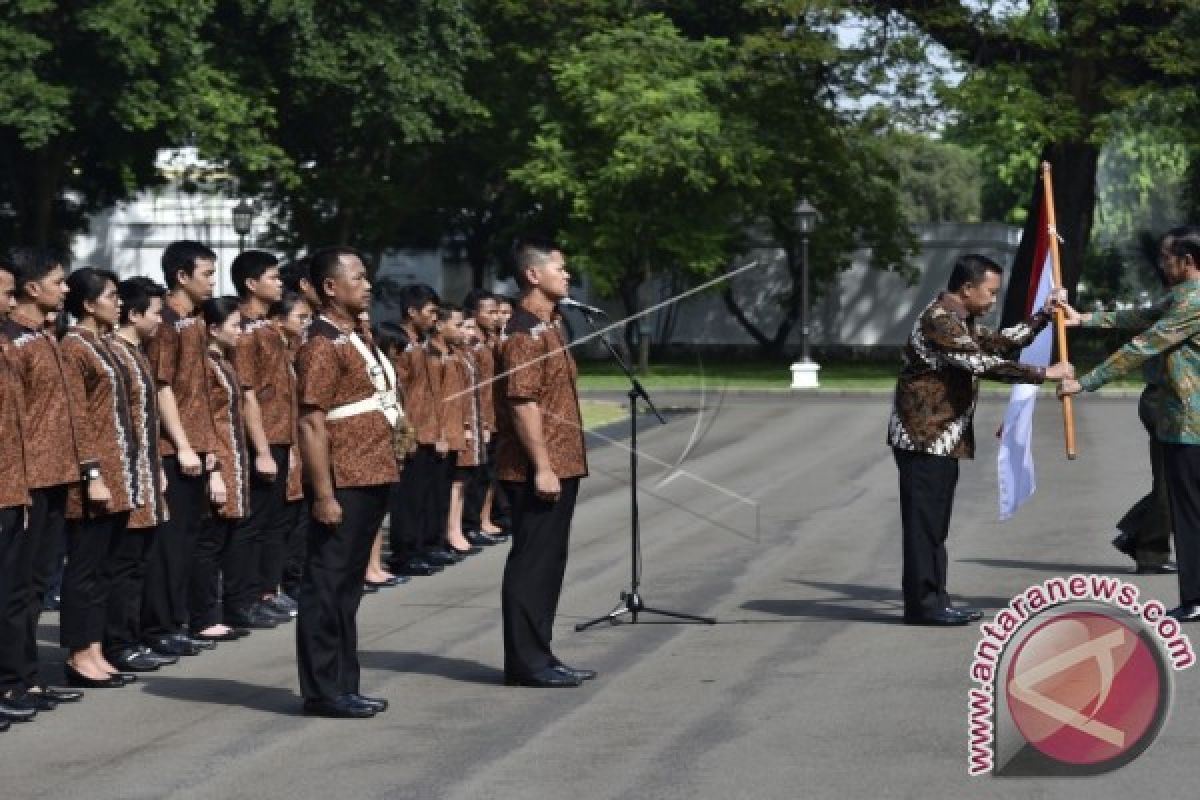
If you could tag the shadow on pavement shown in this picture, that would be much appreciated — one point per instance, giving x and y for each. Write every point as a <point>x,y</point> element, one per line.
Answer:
<point>1053,567</point>
<point>455,669</point>
<point>224,692</point>
<point>851,602</point>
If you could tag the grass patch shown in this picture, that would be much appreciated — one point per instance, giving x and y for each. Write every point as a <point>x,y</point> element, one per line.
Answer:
<point>598,412</point>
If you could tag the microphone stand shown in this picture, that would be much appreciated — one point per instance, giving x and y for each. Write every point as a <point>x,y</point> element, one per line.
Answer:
<point>631,601</point>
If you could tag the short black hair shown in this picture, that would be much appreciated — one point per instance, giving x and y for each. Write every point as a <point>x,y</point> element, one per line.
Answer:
<point>1184,241</point>
<point>417,295</point>
<point>971,268</point>
<point>506,300</point>
<point>182,256</point>
<point>250,265</point>
<point>136,295</point>
<point>293,272</point>
<point>448,310</point>
<point>85,285</point>
<point>323,264</point>
<point>285,304</point>
<point>530,252</point>
<point>474,298</point>
<point>30,265</point>
<point>218,309</point>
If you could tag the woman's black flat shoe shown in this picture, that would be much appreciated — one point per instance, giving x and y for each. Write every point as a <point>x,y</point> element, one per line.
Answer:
<point>77,680</point>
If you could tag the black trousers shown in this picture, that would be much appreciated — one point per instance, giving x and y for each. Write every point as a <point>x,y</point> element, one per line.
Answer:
<point>276,521</point>
<point>1182,463</point>
<point>1148,522</point>
<point>438,518</point>
<point>87,582</point>
<point>409,503</point>
<point>14,589</point>
<point>330,592</point>
<point>475,490</point>
<point>169,563</point>
<point>927,484</point>
<point>213,547</point>
<point>127,568</point>
<point>47,522</point>
<point>533,575</point>
<point>297,544</point>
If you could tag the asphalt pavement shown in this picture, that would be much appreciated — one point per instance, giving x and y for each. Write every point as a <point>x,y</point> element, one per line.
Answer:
<point>775,513</point>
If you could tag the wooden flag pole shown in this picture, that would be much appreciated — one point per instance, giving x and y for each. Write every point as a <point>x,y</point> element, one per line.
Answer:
<point>1060,327</point>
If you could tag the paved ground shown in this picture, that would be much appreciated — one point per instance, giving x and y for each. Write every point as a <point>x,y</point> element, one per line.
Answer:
<point>806,689</point>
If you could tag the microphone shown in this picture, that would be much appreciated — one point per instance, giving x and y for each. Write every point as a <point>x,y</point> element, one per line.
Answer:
<point>569,302</point>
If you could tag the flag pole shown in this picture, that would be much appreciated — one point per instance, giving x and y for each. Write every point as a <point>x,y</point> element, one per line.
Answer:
<point>1060,327</point>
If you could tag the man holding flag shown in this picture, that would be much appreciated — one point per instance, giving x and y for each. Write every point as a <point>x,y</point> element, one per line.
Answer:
<point>931,425</point>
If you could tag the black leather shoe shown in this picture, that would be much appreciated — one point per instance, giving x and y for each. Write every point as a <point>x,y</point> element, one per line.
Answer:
<point>1156,569</point>
<point>4,725</point>
<point>277,604</point>
<point>576,672</point>
<point>172,645</point>
<point>369,589</point>
<point>11,711</point>
<point>35,700</point>
<point>59,696</point>
<point>415,567</point>
<point>251,619</point>
<point>548,678</point>
<point>341,708</point>
<point>78,680</point>
<point>395,580</point>
<point>442,556</point>
<point>227,636</point>
<point>1188,613</point>
<point>376,704</point>
<point>133,660</point>
<point>202,644</point>
<point>481,539</point>
<point>278,617</point>
<point>156,658</point>
<point>125,677</point>
<point>937,618</point>
<point>473,550</point>
<point>972,614</point>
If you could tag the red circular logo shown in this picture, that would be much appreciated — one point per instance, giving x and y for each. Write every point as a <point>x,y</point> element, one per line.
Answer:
<point>1084,688</point>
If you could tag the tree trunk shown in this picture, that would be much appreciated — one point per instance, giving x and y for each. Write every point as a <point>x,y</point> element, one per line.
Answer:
<point>773,346</point>
<point>1073,168</point>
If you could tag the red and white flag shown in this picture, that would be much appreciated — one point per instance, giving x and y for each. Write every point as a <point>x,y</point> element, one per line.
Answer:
<point>1015,475</point>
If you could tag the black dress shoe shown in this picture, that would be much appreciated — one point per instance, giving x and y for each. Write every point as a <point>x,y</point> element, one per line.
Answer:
<point>1125,544</point>
<point>473,550</point>
<point>1188,613</point>
<point>228,636</point>
<point>395,580</point>
<point>376,704</point>
<point>35,700</point>
<point>972,614</point>
<point>172,645</point>
<point>442,556</point>
<point>415,567</point>
<point>11,711</point>
<point>481,539</point>
<point>59,696</point>
<point>156,658</point>
<point>278,617</point>
<point>78,680</point>
<point>369,589</point>
<point>1156,569</point>
<point>576,672</point>
<point>202,644</point>
<point>133,660</point>
<point>250,618</point>
<point>4,725</point>
<point>548,678</point>
<point>937,618</point>
<point>125,677</point>
<point>341,708</point>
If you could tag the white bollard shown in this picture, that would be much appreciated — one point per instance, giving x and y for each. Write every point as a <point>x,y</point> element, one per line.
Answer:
<point>804,375</point>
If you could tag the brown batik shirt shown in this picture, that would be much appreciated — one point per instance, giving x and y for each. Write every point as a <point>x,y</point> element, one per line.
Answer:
<point>104,436</point>
<point>14,486</point>
<point>50,456</point>
<point>225,399</point>
<point>538,367</point>
<point>462,394</point>
<point>178,356</point>
<point>331,373</point>
<point>947,354</point>
<point>264,364</point>
<point>484,358</point>
<point>150,505</point>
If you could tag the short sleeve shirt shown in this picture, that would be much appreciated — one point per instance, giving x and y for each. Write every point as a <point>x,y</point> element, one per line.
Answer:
<point>49,439</point>
<point>177,355</point>
<point>332,373</point>
<point>537,366</point>
<point>264,364</point>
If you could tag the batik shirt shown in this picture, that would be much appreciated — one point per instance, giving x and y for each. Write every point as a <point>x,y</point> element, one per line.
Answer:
<point>150,505</point>
<point>1171,328</point>
<point>14,487</point>
<point>947,353</point>
<point>103,426</point>
<point>225,390</point>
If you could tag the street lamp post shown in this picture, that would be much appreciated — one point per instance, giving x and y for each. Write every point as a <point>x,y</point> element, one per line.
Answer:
<point>243,218</point>
<point>804,371</point>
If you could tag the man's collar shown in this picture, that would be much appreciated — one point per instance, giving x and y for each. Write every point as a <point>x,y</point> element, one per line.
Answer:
<point>955,304</point>
<point>26,322</point>
<point>343,322</point>
<point>539,306</point>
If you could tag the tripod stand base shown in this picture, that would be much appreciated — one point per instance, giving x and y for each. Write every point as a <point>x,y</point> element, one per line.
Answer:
<point>631,603</point>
